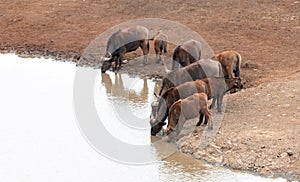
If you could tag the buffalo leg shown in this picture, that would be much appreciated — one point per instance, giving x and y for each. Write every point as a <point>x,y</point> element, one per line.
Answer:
<point>160,54</point>
<point>219,103</point>
<point>157,54</point>
<point>119,63</point>
<point>212,105</point>
<point>201,120</point>
<point>162,58</point>
<point>159,60</point>
<point>208,119</point>
<point>116,64</point>
<point>145,48</point>
<point>237,71</point>
<point>179,126</point>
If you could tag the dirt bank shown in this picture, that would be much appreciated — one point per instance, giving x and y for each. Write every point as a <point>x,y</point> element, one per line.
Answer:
<point>262,135</point>
<point>257,134</point>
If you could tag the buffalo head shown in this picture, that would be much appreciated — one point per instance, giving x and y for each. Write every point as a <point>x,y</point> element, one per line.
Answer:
<point>107,62</point>
<point>105,66</point>
<point>235,84</point>
<point>156,126</point>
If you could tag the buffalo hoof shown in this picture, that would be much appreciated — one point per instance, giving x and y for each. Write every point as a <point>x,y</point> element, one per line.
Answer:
<point>167,139</point>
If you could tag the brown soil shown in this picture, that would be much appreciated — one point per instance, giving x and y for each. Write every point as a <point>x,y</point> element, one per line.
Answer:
<point>260,131</point>
<point>262,135</point>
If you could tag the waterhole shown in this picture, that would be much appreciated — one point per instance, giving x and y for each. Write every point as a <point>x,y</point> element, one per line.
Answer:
<point>40,138</point>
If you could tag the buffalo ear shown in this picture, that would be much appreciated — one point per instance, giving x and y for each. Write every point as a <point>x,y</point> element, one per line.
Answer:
<point>219,56</point>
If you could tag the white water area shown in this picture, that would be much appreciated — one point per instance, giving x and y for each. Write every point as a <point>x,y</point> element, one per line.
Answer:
<point>40,139</point>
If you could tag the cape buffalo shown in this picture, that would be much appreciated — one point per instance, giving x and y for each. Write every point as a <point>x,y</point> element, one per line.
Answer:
<point>124,41</point>
<point>231,63</point>
<point>191,107</point>
<point>201,69</point>
<point>187,53</point>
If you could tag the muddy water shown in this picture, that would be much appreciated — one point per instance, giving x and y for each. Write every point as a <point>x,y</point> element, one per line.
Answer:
<point>40,139</point>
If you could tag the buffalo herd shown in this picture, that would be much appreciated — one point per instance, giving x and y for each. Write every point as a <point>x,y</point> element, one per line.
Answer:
<point>191,83</point>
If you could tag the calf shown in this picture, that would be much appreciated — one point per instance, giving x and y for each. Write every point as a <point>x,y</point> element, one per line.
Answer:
<point>160,45</point>
<point>231,63</point>
<point>188,108</point>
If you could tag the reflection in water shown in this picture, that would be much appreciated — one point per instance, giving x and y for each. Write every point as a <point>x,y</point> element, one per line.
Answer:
<point>142,96</point>
<point>132,93</point>
<point>121,88</point>
<point>117,88</point>
<point>157,87</point>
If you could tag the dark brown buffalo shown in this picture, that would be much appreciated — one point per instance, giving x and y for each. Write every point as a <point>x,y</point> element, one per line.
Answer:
<point>231,63</point>
<point>214,88</point>
<point>187,53</point>
<point>124,41</point>
<point>201,69</point>
<point>219,87</point>
<point>191,107</point>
